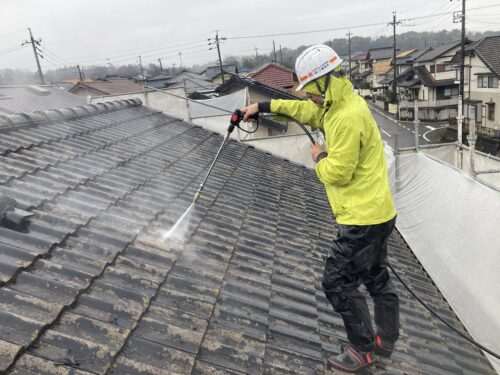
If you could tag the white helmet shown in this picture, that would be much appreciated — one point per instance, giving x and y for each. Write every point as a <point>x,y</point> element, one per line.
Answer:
<point>314,62</point>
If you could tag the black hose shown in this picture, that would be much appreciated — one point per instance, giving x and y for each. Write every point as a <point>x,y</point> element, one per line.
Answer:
<point>298,123</point>
<point>456,330</point>
<point>449,325</point>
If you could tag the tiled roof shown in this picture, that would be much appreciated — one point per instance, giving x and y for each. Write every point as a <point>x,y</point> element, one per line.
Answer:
<point>488,50</point>
<point>17,99</point>
<point>273,74</point>
<point>239,82</point>
<point>424,75</point>
<point>91,287</point>
<point>426,78</point>
<point>192,81</point>
<point>109,86</point>
<point>400,78</point>
<point>212,71</point>
<point>438,51</point>
<point>161,75</point>
<point>381,53</point>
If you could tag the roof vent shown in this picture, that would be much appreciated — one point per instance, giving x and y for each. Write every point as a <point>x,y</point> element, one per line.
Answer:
<point>12,217</point>
<point>37,90</point>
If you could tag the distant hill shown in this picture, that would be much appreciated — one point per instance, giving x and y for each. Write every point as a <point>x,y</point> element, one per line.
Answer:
<point>404,41</point>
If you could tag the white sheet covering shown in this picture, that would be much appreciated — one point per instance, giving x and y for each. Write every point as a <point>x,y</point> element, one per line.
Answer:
<point>452,224</point>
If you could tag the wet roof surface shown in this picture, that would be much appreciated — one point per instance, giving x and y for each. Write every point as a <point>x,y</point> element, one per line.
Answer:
<point>92,287</point>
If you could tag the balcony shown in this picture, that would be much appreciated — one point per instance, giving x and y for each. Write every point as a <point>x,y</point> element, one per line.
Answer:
<point>441,103</point>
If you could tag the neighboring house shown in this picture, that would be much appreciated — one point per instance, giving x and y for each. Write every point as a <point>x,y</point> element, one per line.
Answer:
<point>273,74</point>
<point>437,86</point>
<point>257,91</point>
<point>191,82</point>
<point>107,86</point>
<point>158,81</point>
<point>378,61</point>
<point>213,73</point>
<point>27,99</point>
<point>93,286</point>
<point>481,88</point>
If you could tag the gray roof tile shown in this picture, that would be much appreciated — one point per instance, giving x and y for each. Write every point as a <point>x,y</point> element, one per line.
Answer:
<point>28,99</point>
<point>92,287</point>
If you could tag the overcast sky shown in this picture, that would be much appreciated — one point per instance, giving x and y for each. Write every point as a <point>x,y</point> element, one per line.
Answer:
<point>90,32</point>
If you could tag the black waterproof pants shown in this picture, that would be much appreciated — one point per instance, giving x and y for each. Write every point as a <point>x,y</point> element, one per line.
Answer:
<point>359,255</point>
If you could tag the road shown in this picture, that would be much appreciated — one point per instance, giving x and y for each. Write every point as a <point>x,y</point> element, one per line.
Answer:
<point>430,132</point>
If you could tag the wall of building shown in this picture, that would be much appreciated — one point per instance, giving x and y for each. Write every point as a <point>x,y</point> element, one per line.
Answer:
<point>161,101</point>
<point>485,95</point>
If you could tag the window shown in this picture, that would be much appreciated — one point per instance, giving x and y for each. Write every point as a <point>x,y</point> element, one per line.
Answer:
<point>491,111</point>
<point>485,81</point>
<point>448,67</point>
<point>433,68</point>
<point>446,92</point>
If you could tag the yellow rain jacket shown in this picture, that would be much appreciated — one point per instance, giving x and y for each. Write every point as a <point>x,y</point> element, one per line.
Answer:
<point>355,171</point>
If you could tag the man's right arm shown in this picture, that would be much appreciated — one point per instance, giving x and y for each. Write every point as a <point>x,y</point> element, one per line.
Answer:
<point>304,111</point>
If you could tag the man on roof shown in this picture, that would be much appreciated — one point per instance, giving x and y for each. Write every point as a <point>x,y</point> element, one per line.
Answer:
<point>354,172</point>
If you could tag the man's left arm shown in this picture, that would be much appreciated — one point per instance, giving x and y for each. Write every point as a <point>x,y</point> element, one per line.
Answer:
<point>338,166</point>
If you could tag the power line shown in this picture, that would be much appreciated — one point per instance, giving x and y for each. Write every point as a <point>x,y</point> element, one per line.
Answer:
<point>10,50</point>
<point>12,33</point>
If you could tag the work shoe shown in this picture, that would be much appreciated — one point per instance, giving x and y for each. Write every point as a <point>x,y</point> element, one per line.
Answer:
<point>382,347</point>
<point>351,360</point>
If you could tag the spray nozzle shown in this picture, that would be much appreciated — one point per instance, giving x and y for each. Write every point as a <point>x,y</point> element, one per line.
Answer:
<point>237,117</point>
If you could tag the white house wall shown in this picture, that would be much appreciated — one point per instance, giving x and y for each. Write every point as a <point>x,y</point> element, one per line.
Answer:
<point>485,95</point>
<point>161,101</point>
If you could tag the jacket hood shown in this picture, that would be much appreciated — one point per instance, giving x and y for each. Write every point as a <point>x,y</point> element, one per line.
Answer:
<point>339,90</point>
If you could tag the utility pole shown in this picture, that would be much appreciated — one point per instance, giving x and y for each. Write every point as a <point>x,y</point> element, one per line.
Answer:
<point>161,67</point>
<point>394,84</point>
<point>281,56</point>
<point>80,73</point>
<point>180,58</point>
<point>256,53</point>
<point>35,44</point>
<point>142,71</point>
<point>349,52</point>
<point>460,17</point>
<point>274,50</point>
<point>217,42</point>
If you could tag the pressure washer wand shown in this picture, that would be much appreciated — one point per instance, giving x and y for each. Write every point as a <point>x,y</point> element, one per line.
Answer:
<point>236,118</point>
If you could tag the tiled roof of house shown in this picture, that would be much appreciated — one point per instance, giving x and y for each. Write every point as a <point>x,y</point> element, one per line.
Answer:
<point>401,77</point>
<point>109,86</point>
<point>92,288</point>
<point>381,53</point>
<point>161,75</point>
<point>212,71</point>
<point>437,52</point>
<point>488,50</point>
<point>17,99</point>
<point>426,78</point>
<point>239,82</point>
<point>273,74</point>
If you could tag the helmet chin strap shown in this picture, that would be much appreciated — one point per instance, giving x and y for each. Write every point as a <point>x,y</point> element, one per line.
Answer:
<point>327,82</point>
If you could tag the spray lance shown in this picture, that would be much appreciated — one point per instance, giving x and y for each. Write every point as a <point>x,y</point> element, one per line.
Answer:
<point>234,122</point>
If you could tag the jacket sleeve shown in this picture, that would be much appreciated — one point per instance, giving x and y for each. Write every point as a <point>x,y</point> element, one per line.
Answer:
<point>343,154</point>
<point>303,110</point>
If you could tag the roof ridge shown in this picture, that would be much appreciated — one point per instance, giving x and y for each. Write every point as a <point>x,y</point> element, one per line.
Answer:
<point>9,122</point>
